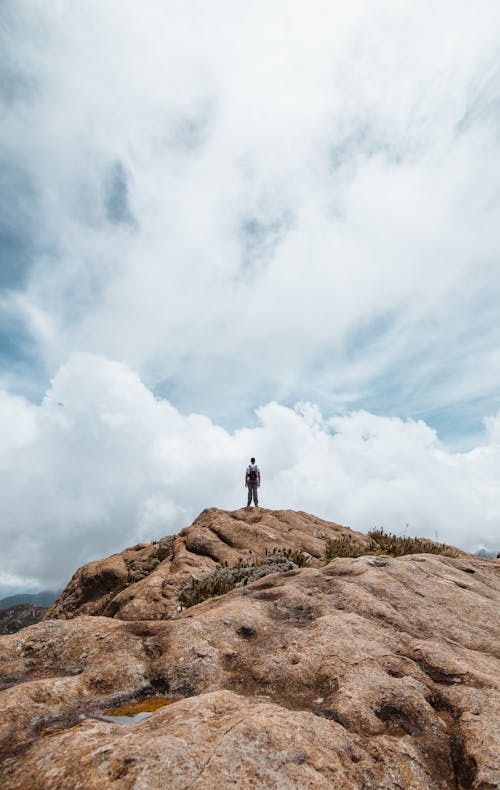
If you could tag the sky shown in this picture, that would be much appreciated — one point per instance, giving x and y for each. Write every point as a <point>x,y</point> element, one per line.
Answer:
<point>233,229</point>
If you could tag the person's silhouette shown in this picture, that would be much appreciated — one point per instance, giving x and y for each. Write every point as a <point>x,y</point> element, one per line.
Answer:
<point>252,482</point>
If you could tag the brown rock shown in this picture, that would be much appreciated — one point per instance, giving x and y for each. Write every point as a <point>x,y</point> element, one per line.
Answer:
<point>363,673</point>
<point>136,585</point>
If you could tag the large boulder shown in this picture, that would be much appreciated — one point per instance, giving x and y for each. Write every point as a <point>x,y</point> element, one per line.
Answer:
<point>143,582</point>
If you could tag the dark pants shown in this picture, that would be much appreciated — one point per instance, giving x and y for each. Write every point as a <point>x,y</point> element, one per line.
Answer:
<point>253,490</point>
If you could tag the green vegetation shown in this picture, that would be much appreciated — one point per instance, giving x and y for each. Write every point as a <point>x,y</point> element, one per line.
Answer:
<point>382,542</point>
<point>398,546</point>
<point>343,547</point>
<point>225,578</point>
<point>163,548</point>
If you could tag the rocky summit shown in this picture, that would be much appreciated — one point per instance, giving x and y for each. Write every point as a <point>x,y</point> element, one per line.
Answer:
<point>370,671</point>
<point>143,582</point>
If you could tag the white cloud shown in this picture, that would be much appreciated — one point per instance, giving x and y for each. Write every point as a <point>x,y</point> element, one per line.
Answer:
<point>17,425</point>
<point>114,465</point>
<point>269,203</point>
<point>298,178</point>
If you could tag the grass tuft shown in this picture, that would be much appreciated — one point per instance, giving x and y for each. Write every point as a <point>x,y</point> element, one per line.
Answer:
<point>225,578</point>
<point>342,547</point>
<point>382,542</point>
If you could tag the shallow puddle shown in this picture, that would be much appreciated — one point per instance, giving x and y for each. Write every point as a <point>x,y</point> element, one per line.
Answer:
<point>135,711</point>
<point>128,713</point>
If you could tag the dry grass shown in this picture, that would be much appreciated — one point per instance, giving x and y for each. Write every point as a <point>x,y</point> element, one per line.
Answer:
<point>382,542</point>
<point>225,578</point>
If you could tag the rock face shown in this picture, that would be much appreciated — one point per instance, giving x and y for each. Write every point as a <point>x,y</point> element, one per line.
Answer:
<point>361,673</point>
<point>144,582</point>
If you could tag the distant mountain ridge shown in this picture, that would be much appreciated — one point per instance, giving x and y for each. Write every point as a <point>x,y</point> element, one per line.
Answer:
<point>485,554</point>
<point>14,618</point>
<point>44,598</point>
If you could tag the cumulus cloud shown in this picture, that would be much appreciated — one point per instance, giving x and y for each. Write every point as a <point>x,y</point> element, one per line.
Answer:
<point>102,463</point>
<point>277,202</point>
<point>220,207</point>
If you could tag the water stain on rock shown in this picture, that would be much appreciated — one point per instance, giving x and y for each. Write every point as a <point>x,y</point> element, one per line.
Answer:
<point>131,712</point>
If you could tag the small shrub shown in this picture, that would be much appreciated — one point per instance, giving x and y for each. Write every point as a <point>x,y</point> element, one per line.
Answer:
<point>294,555</point>
<point>163,549</point>
<point>342,547</point>
<point>396,546</point>
<point>382,542</point>
<point>225,578</point>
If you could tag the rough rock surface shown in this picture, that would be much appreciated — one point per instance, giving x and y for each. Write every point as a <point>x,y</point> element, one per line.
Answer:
<point>363,673</point>
<point>143,582</point>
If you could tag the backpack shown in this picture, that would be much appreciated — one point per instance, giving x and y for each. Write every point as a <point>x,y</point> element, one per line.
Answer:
<point>252,475</point>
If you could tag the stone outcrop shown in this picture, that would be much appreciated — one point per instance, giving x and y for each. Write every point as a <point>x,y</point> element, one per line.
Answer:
<point>361,673</point>
<point>143,582</point>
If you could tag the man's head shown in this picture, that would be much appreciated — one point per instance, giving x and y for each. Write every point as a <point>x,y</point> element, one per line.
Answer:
<point>252,460</point>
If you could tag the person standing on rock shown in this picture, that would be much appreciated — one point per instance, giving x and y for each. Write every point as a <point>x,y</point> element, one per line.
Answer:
<point>252,482</point>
